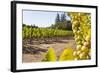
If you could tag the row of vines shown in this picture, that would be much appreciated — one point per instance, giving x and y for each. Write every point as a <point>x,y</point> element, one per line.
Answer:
<point>29,32</point>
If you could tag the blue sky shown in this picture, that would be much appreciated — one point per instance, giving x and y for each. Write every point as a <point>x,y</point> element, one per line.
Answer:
<point>40,18</point>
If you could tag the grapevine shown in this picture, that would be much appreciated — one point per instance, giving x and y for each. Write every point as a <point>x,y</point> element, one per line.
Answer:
<point>44,33</point>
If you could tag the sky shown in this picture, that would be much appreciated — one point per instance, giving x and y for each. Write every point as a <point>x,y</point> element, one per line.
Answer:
<point>40,18</point>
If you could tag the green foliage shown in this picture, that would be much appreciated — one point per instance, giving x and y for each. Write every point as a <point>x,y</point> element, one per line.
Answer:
<point>68,25</point>
<point>29,32</point>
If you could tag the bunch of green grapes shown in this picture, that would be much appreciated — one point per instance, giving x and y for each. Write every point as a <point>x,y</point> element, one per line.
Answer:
<point>81,26</point>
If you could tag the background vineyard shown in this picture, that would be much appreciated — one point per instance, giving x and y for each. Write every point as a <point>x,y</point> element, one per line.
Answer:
<point>30,32</point>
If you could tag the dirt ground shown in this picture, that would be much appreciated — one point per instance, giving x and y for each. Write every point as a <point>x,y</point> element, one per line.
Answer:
<point>58,47</point>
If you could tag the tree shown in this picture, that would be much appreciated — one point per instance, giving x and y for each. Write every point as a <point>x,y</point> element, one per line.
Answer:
<point>63,17</point>
<point>62,22</point>
<point>69,25</point>
<point>57,20</point>
<point>34,26</point>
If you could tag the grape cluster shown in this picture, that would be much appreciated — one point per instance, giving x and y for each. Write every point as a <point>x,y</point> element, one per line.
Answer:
<point>81,26</point>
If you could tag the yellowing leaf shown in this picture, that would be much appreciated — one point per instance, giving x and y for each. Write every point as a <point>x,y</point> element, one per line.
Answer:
<point>67,55</point>
<point>51,56</point>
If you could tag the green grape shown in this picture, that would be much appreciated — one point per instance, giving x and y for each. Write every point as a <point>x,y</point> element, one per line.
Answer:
<point>78,52</point>
<point>81,26</point>
<point>76,58</point>
<point>78,47</point>
<point>85,49</point>
<point>87,38</point>
<point>75,53</point>
<point>82,56</point>
<point>86,44</point>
